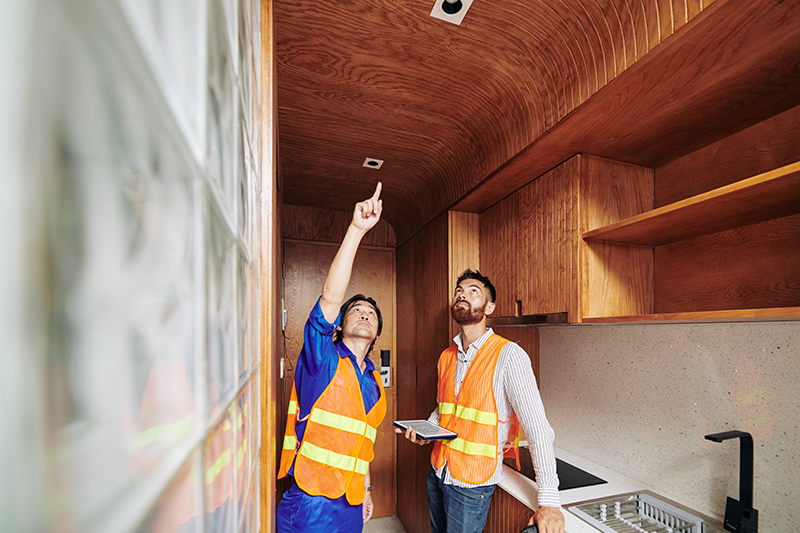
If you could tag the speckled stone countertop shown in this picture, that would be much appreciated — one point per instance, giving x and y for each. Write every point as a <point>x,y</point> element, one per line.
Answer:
<point>525,490</point>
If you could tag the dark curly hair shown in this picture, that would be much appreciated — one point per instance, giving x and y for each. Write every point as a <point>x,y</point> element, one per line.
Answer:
<point>476,275</point>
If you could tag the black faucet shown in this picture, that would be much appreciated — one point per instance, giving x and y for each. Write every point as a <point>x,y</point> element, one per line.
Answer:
<point>740,517</point>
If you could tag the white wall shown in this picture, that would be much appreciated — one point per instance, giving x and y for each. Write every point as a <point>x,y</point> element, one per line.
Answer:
<point>640,398</point>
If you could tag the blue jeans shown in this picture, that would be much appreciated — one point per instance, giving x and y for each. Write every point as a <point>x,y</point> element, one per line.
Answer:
<point>457,509</point>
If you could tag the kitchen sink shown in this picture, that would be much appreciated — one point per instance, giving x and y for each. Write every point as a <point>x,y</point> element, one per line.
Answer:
<point>643,512</point>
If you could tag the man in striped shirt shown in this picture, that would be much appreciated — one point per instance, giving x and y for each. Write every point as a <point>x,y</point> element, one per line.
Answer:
<point>480,406</point>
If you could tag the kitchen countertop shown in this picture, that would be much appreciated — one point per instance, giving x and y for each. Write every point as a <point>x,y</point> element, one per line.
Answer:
<point>523,489</point>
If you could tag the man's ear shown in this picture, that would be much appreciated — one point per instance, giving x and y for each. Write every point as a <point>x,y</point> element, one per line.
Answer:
<point>489,308</point>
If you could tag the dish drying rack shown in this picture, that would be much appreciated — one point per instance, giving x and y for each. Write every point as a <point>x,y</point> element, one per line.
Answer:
<point>638,513</point>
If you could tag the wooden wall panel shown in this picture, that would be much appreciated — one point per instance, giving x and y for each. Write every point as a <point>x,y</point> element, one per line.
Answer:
<point>463,249</point>
<point>735,269</point>
<point>270,262</point>
<point>767,145</point>
<point>423,319</point>
<point>329,225</point>
<point>616,280</point>
<point>500,245</point>
<point>506,514</point>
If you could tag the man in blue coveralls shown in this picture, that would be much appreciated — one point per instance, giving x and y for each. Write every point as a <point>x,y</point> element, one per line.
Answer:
<point>337,401</point>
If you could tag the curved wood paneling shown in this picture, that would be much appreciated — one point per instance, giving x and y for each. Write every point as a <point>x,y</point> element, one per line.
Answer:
<point>446,106</point>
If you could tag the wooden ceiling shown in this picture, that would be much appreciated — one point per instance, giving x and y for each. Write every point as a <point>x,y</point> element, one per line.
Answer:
<point>464,115</point>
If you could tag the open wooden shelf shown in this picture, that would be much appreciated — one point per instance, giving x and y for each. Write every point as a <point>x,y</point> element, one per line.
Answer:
<point>774,314</point>
<point>768,196</point>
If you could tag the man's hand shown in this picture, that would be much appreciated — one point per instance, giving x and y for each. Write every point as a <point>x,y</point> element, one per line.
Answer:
<point>412,436</point>
<point>368,212</point>
<point>367,507</point>
<point>549,520</point>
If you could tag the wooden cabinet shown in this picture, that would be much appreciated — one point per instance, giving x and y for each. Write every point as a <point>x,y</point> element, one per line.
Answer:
<point>732,253</point>
<point>586,239</point>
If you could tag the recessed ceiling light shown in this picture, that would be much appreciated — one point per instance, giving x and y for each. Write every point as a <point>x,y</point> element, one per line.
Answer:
<point>372,163</point>
<point>451,10</point>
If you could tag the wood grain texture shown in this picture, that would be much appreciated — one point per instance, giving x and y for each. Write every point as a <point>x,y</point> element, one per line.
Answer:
<point>463,249</point>
<point>616,280</point>
<point>528,245</point>
<point>270,283</point>
<point>329,225</point>
<point>771,195</point>
<point>751,267</point>
<point>307,266</point>
<point>447,106</point>
<point>695,88</point>
<point>506,514</point>
<point>767,145</point>
<point>773,314</point>
<point>423,317</point>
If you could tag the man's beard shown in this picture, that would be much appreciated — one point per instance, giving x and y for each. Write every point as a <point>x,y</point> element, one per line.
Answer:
<point>465,316</point>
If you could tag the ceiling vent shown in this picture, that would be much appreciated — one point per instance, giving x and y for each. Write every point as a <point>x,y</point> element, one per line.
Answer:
<point>451,10</point>
<point>372,163</point>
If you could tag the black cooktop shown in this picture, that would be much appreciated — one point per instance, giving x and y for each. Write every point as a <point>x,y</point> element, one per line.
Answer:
<point>569,476</point>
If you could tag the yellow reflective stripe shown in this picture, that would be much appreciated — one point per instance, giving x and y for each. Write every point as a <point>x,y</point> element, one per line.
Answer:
<point>337,421</point>
<point>447,408</point>
<point>292,407</point>
<point>289,442</point>
<point>327,457</point>
<point>371,433</point>
<point>480,417</point>
<point>222,461</point>
<point>168,433</point>
<point>473,448</point>
<point>361,467</point>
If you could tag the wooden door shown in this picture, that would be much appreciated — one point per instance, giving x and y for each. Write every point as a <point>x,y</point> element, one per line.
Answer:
<point>307,266</point>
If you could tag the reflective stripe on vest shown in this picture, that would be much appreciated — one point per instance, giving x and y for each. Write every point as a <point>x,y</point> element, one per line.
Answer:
<point>467,413</point>
<point>473,456</point>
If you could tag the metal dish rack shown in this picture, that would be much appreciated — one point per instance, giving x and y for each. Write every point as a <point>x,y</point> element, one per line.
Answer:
<point>638,513</point>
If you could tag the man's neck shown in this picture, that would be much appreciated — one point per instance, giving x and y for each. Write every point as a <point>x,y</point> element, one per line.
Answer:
<point>359,347</point>
<point>472,332</point>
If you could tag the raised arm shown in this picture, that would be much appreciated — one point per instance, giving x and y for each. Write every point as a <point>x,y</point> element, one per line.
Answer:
<point>365,216</point>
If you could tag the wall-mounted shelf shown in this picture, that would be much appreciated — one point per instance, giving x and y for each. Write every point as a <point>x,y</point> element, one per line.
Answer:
<point>768,196</point>
<point>528,320</point>
<point>725,316</point>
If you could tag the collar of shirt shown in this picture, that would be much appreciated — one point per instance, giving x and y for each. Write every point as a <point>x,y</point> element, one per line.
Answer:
<point>472,349</point>
<point>344,351</point>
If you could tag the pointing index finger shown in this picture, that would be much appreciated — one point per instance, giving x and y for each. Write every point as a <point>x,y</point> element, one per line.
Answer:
<point>377,194</point>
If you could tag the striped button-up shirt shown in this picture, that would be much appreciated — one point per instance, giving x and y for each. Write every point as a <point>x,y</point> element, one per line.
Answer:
<point>515,391</point>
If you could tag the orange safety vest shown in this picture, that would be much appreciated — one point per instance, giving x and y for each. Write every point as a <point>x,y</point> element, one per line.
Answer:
<point>472,456</point>
<point>338,442</point>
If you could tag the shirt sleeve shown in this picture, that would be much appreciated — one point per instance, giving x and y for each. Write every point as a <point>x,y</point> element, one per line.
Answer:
<point>316,334</point>
<point>523,395</point>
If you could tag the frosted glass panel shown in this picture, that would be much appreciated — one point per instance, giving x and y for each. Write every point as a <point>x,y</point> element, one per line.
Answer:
<point>134,272</point>
<point>119,250</point>
<point>179,510</point>
<point>222,110</point>
<point>245,320</point>
<point>218,470</point>
<point>171,34</point>
<point>220,308</point>
<point>243,462</point>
